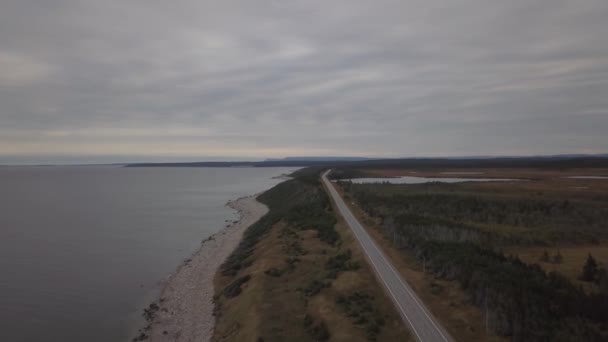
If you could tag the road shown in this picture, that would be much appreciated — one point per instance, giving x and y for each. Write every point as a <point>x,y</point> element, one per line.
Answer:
<point>422,323</point>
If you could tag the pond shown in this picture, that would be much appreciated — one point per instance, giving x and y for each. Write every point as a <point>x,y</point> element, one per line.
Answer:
<point>462,173</point>
<point>420,180</point>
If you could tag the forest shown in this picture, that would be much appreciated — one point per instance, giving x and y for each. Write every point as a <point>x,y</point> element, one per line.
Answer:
<point>460,233</point>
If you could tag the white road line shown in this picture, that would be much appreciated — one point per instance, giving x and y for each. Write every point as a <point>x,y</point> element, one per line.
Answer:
<point>362,235</point>
<point>401,310</point>
<point>414,296</point>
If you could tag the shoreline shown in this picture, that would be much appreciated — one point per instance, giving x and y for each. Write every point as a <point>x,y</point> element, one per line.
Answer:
<point>184,309</point>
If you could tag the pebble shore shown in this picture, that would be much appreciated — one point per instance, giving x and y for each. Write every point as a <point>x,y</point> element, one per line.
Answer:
<point>184,309</point>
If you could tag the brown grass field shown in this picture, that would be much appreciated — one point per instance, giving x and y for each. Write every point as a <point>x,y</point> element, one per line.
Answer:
<point>574,258</point>
<point>537,182</point>
<point>272,308</point>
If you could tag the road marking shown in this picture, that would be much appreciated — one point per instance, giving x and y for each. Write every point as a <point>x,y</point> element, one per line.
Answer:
<point>376,269</point>
<point>402,311</point>
<point>345,211</point>
<point>414,296</point>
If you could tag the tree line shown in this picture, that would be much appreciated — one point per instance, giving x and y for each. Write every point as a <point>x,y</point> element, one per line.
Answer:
<point>448,233</point>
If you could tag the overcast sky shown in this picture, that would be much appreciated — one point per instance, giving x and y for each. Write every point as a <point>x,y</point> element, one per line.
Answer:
<point>185,80</point>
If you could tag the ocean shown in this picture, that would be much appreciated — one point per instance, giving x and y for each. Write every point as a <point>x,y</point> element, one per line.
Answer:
<point>84,248</point>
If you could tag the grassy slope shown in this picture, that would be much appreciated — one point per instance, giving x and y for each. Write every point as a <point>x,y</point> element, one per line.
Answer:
<point>285,258</point>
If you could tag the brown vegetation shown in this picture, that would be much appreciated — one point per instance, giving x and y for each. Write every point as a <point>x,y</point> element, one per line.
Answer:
<point>572,261</point>
<point>539,182</point>
<point>304,285</point>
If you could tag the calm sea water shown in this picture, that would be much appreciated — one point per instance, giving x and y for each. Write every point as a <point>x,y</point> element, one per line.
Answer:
<point>82,249</point>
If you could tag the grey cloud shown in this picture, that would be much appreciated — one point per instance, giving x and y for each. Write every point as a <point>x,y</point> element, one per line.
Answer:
<point>257,79</point>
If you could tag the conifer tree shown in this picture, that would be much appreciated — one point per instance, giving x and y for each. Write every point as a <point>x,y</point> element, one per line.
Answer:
<point>589,270</point>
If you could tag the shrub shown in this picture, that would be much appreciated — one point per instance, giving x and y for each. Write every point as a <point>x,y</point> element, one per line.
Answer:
<point>320,332</point>
<point>234,288</point>
<point>315,287</point>
<point>339,263</point>
<point>558,258</point>
<point>273,272</point>
<point>590,269</point>
<point>545,256</point>
<point>307,321</point>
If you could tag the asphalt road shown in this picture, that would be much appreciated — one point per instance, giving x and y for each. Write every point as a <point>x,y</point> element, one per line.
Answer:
<point>422,323</point>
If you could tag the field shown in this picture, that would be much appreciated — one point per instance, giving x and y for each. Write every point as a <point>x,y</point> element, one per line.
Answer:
<point>299,276</point>
<point>573,258</point>
<point>537,182</point>
<point>494,261</point>
<point>484,244</point>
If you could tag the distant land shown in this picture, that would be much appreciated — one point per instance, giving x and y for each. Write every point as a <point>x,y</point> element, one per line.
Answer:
<point>565,161</point>
<point>319,159</point>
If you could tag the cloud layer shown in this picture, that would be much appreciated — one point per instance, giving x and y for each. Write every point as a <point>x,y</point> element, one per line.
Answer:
<point>202,79</point>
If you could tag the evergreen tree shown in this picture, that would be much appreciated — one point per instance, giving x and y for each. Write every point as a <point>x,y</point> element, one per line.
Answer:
<point>558,258</point>
<point>545,256</point>
<point>589,270</point>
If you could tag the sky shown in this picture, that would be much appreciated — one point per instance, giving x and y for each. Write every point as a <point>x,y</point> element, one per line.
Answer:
<point>103,81</point>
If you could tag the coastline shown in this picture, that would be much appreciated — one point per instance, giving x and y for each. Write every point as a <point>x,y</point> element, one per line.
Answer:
<point>184,309</point>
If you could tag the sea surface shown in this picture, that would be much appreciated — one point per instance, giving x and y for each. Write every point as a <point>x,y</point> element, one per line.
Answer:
<point>84,248</point>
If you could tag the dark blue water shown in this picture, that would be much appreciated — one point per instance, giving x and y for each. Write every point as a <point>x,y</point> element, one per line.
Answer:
<point>82,249</point>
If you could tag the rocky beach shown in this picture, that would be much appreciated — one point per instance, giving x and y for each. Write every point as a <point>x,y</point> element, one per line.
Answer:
<point>184,310</point>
